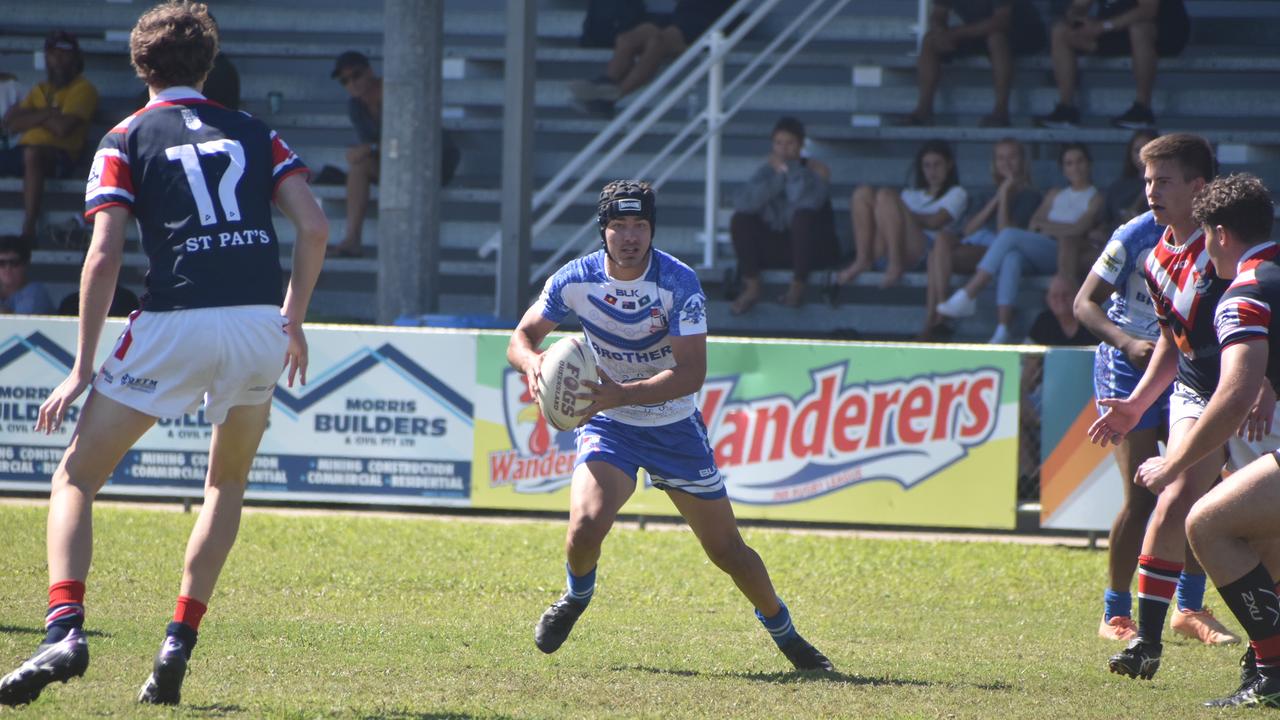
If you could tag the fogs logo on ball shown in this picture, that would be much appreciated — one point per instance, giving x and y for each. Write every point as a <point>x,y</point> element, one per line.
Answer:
<point>776,449</point>
<point>541,458</point>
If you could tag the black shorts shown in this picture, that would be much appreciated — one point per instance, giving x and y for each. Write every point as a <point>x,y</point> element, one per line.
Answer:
<point>691,18</point>
<point>1022,41</point>
<point>1173,29</point>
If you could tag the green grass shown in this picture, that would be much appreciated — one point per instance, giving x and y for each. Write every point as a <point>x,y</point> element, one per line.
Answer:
<point>367,616</point>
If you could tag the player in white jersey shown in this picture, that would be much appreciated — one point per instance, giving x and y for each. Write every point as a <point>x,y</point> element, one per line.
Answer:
<point>644,315</point>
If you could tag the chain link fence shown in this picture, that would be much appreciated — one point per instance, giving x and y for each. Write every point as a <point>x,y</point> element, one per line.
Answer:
<point>1029,428</point>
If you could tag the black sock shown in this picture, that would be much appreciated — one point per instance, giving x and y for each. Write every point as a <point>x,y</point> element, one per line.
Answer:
<point>1252,599</point>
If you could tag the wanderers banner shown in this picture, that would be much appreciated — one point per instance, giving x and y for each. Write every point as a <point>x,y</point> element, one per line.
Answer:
<point>834,432</point>
<point>825,432</point>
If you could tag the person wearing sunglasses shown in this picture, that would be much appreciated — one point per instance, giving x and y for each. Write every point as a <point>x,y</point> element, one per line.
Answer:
<point>17,295</point>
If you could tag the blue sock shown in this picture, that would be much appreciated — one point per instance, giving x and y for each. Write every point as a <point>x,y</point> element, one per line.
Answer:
<point>779,626</point>
<point>581,588</point>
<point>1116,604</point>
<point>1191,592</point>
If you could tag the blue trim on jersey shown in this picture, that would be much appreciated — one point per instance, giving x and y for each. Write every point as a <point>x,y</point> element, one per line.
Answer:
<point>621,342</point>
<point>629,318</point>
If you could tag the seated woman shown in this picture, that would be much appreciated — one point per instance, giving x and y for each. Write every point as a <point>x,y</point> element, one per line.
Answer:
<point>1011,204</point>
<point>897,227</point>
<point>1051,244</point>
<point>783,219</point>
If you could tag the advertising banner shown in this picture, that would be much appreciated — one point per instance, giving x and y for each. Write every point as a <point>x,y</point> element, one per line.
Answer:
<point>1080,483</point>
<point>386,417</point>
<point>827,432</point>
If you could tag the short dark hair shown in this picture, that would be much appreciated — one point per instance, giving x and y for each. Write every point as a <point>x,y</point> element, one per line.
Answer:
<point>1192,152</point>
<point>174,43</point>
<point>16,244</point>
<point>790,125</point>
<point>1238,202</point>
<point>941,148</point>
<point>349,59</point>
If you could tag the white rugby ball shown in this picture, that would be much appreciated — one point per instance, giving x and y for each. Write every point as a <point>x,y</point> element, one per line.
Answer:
<point>565,365</point>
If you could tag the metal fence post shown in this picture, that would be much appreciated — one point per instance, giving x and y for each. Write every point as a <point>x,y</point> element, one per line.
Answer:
<point>711,211</point>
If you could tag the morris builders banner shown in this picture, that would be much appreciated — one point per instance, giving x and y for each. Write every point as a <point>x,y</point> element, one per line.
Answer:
<point>802,431</point>
<point>1080,484</point>
<point>386,417</point>
<point>834,432</point>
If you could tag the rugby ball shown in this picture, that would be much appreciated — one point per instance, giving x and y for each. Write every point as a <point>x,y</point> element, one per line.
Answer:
<point>565,365</point>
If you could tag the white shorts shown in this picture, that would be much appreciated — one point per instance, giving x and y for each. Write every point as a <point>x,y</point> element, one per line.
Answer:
<point>1185,403</point>
<point>1241,452</point>
<point>166,363</point>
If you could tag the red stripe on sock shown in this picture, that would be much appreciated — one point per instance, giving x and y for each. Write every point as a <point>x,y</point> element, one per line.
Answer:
<point>66,592</point>
<point>1267,650</point>
<point>1155,562</point>
<point>189,611</point>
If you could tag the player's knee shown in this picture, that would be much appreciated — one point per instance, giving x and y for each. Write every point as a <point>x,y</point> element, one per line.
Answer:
<point>728,554</point>
<point>1199,525</point>
<point>863,194</point>
<point>586,533</point>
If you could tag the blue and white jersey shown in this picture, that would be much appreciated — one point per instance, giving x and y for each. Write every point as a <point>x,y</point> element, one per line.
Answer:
<point>1131,307</point>
<point>628,323</point>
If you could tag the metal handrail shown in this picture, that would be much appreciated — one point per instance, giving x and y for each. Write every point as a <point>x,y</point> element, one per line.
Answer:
<point>715,124</point>
<point>676,73</point>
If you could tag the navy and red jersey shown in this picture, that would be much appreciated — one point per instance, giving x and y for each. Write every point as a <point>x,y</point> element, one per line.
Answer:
<point>1185,289</point>
<point>1244,312</point>
<point>200,179</point>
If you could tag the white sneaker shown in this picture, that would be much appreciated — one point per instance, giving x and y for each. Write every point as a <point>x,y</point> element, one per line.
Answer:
<point>1001,336</point>
<point>959,305</point>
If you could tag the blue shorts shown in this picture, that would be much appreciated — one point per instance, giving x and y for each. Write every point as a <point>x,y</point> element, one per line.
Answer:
<point>677,456</point>
<point>1115,377</point>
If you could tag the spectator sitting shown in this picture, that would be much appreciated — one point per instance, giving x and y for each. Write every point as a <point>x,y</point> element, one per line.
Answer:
<point>1057,323</point>
<point>998,28</point>
<point>783,218</point>
<point>16,294</point>
<point>352,69</point>
<point>53,119</point>
<point>1011,204</point>
<point>1143,29</point>
<point>639,53</point>
<point>1126,196</point>
<point>1053,243</point>
<point>895,227</point>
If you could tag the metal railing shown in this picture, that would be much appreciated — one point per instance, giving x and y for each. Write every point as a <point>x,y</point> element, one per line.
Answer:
<point>703,59</point>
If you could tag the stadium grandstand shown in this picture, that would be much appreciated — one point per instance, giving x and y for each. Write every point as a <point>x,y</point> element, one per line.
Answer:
<point>848,84</point>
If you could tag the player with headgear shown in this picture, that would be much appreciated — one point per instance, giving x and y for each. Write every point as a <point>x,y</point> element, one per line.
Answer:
<point>199,179</point>
<point>643,313</point>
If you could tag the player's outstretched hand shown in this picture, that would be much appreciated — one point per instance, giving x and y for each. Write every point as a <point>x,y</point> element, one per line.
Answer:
<point>1257,424</point>
<point>1155,474</point>
<point>55,406</point>
<point>295,357</point>
<point>603,395</point>
<point>1121,416</point>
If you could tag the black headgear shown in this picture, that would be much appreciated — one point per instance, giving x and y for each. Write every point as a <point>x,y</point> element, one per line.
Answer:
<point>623,198</point>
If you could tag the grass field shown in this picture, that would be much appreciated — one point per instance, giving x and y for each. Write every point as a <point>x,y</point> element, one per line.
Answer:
<point>367,616</point>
